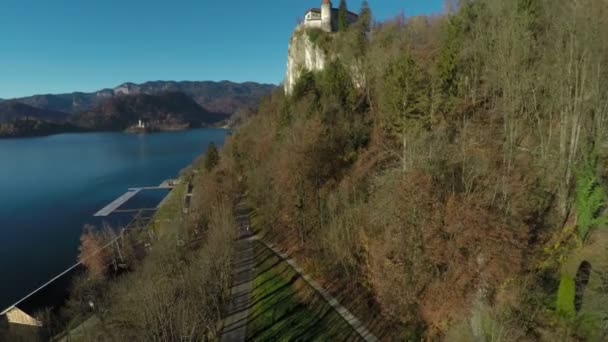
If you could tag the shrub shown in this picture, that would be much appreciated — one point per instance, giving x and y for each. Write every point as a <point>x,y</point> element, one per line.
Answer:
<point>565,297</point>
<point>92,254</point>
<point>590,201</point>
<point>212,157</point>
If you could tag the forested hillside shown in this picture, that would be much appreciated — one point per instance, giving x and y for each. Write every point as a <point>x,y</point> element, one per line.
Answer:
<point>13,110</point>
<point>452,183</point>
<point>171,110</point>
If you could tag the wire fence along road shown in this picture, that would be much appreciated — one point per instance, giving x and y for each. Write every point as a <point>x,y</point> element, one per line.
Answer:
<point>353,321</point>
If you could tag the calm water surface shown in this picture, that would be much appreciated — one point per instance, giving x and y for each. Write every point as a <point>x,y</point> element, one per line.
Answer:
<point>51,186</point>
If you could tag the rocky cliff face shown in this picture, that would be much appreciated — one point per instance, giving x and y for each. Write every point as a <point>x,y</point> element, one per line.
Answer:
<point>310,49</point>
<point>303,54</point>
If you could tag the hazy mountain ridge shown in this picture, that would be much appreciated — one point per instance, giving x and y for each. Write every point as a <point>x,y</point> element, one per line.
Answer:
<point>221,97</point>
<point>169,110</point>
<point>161,105</point>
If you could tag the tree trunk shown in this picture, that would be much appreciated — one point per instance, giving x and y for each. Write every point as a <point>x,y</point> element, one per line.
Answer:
<point>404,152</point>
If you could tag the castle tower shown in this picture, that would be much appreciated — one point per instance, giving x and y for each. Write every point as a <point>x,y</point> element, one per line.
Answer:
<point>326,16</point>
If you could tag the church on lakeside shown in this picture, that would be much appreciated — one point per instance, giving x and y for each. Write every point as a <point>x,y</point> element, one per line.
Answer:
<point>326,18</point>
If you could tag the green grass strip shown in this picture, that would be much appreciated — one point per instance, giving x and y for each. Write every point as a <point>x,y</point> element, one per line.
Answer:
<point>285,308</point>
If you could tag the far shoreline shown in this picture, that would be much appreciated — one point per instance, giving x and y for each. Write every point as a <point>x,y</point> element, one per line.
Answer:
<point>34,136</point>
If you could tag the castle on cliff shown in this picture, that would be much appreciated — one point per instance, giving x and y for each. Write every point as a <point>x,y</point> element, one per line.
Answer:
<point>302,53</point>
<point>326,18</point>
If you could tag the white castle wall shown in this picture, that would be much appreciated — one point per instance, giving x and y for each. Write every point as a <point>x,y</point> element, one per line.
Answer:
<point>313,23</point>
<point>326,17</point>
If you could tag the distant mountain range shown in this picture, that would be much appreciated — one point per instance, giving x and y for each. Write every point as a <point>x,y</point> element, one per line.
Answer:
<point>218,97</point>
<point>165,111</point>
<point>161,104</point>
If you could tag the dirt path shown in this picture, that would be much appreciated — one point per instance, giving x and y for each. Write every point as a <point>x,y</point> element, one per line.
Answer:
<point>235,323</point>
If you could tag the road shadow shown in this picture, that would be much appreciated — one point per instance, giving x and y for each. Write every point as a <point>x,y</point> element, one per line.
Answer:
<point>348,290</point>
<point>285,308</point>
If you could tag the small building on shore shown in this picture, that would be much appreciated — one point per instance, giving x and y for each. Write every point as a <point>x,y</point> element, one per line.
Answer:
<point>17,325</point>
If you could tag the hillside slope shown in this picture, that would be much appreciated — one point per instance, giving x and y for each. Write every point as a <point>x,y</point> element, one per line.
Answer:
<point>20,128</point>
<point>442,190</point>
<point>170,110</point>
<point>218,97</point>
<point>11,110</point>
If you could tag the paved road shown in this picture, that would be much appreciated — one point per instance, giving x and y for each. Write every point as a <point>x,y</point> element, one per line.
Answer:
<point>235,323</point>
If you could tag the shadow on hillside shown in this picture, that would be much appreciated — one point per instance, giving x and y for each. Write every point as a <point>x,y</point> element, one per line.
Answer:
<point>285,307</point>
<point>350,294</point>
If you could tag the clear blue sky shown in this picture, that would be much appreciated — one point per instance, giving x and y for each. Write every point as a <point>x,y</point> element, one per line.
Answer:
<point>55,46</point>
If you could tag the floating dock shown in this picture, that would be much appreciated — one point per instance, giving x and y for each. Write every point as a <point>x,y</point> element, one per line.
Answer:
<point>110,208</point>
<point>107,210</point>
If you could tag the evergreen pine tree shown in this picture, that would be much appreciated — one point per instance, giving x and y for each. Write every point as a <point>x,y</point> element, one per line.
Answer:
<point>365,16</point>
<point>342,16</point>
<point>212,157</point>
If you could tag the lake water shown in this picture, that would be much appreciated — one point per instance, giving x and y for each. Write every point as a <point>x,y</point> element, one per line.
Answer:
<point>51,186</point>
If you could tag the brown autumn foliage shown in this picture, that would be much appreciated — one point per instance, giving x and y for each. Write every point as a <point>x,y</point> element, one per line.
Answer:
<point>92,254</point>
<point>428,195</point>
<point>434,189</point>
<point>180,286</point>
